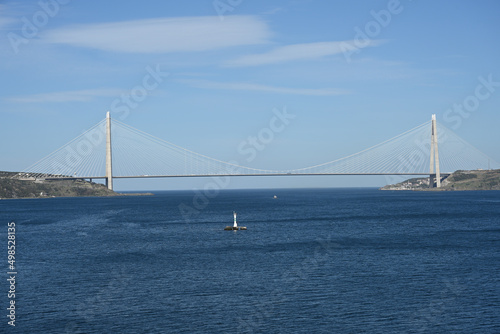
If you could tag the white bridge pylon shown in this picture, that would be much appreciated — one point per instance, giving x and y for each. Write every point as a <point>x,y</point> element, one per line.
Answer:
<point>112,149</point>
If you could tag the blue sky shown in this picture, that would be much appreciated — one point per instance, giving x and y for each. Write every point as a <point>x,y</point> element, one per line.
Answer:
<point>353,73</point>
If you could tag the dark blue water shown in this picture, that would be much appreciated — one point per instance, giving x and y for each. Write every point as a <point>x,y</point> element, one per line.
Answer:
<point>311,261</point>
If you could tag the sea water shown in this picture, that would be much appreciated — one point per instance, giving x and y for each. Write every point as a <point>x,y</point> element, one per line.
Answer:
<point>311,261</point>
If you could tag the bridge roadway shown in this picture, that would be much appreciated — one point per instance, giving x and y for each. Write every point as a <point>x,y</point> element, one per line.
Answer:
<point>224,175</point>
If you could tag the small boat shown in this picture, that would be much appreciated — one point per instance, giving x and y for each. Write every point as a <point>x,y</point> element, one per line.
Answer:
<point>235,226</point>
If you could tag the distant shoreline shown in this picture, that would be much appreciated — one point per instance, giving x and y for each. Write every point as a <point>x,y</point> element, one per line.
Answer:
<point>96,196</point>
<point>14,185</point>
<point>462,180</point>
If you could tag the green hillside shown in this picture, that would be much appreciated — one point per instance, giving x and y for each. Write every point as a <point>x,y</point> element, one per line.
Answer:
<point>459,180</point>
<point>12,187</point>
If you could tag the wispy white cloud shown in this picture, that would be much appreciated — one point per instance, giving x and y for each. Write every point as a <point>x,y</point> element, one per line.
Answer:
<point>273,11</point>
<point>305,51</point>
<point>164,35</point>
<point>5,20</point>
<point>263,88</point>
<point>65,96</point>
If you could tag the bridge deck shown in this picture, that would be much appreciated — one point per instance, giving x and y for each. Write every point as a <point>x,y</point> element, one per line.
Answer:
<point>232,175</point>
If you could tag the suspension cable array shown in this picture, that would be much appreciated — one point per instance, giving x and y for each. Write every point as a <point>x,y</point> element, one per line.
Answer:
<point>139,154</point>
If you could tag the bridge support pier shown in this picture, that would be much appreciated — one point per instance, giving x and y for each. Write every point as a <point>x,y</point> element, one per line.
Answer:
<point>109,167</point>
<point>434,156</point>
<point>432,181</point>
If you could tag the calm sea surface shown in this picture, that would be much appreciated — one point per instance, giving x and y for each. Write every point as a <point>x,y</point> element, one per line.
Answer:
<point>311,261</point>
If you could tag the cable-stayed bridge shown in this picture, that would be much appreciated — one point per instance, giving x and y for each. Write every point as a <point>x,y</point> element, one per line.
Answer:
<point>112,150</point>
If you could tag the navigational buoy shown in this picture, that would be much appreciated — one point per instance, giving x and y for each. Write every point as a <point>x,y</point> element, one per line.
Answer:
<point>235,226</point>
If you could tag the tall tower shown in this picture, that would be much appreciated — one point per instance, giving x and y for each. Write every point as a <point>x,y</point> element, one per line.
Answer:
<point>434,155</point>
<point>109,167</point>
